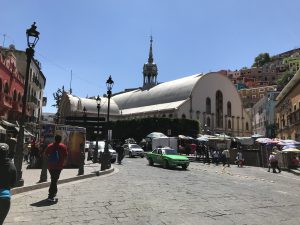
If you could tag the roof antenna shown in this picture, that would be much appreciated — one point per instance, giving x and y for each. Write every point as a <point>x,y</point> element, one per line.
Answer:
<point>71,83</point>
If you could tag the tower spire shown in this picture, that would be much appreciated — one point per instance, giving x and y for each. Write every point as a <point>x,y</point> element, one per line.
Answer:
<point>150,70</point>
<point>150,59</point>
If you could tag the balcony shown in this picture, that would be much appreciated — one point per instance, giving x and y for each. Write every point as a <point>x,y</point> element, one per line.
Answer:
<point>295,117</point>
<point>33,99</point>
<point>5,101</point>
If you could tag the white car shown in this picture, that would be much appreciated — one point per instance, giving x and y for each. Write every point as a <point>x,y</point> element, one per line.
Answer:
<point>133,150</point>
<point>101,146</point>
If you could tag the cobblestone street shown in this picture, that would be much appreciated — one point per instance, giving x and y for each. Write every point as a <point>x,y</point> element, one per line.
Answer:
<point>140,194</point>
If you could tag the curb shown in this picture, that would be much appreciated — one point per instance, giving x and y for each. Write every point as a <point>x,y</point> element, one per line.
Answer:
<point>23,189</point>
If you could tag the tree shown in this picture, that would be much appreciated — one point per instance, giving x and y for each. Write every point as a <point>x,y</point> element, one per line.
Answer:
<point>261,59</point>
<point>57,97</point>
<point>284,79</point>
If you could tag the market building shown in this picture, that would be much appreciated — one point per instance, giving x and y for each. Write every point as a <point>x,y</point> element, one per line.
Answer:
<point>210,98</point>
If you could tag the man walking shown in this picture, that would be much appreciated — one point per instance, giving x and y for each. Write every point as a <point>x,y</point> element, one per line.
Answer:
<point>226,157</point>
<point>56,153</point>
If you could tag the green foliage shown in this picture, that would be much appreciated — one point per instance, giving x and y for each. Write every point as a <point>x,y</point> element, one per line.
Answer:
<point>140,128</point>
<point>284,79</point>
<point>261,59</point>
<point>57,96</point>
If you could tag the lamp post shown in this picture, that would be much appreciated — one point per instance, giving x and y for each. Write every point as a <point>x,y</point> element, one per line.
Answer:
<point>95,156</point>
<point>106,155</point>
<point>32,38</point>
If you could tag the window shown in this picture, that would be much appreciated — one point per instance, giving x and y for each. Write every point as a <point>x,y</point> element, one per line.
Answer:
<point>183,116</point>
<point>19,97</point>
<point>208,122</point>
<point>219,109</point>
<point>208,105</point>
<point>253,96</point>
<point>15,96</point>
<point>228,108</point>
<point>247,126</point>
<point>229,124</point>
<point>170,115</point>
<point>6,89</point>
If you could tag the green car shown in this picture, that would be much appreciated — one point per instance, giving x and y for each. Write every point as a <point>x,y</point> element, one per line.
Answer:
<point>167,157</point>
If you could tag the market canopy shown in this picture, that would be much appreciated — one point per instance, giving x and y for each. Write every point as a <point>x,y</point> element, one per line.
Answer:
<point>294,150</point>
<point>156,135</point>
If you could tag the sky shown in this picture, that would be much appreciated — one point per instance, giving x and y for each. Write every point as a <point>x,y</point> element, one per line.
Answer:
<point>98,38</point>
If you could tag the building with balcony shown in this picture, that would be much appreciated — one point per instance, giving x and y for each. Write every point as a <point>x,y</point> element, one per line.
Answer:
<point>36,85</point>
<point>288,110</point>
<point>11,86</point>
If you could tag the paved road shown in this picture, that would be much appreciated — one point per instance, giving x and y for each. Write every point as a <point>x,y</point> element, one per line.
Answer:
<point>140,194</point>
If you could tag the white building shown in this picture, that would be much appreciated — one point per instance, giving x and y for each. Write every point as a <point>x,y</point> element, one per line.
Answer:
<point>210,98</point>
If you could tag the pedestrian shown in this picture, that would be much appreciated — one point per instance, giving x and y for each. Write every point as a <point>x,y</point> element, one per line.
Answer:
<point>215,155</point>
<point>273,163</point>
<point>12,143</point>
<point>57,154</point>
<point>120,151</point>
<point>226,157</point>
<point>8,178</point>
<point>206,154</point>
<point>239,159</point>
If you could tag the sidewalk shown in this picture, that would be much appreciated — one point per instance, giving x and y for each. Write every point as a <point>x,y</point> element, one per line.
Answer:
<point>31,177</point>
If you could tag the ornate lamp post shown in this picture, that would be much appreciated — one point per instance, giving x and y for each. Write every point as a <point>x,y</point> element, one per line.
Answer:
<point>106,155</point>
<point>95,156</point>
<point>32,39</point>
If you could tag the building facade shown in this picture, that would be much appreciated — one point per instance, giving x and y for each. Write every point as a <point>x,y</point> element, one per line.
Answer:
<point>263,116</point>
<point>288,110</point>
<point>250,96</point>
<point>210,98</point>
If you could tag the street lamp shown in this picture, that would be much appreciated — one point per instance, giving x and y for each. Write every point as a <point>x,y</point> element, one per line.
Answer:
<point>106,155</point>
<point>32,39</point>
<point>95,156</point>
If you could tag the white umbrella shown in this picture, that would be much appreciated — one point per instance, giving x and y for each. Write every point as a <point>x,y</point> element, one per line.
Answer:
<point>156,135</point>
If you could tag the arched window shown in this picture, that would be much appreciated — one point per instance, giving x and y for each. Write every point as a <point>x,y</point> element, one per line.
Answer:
<point>170,115</point>
<point>208,105</point>
<point>219,109</point>
<point>198,115</point>
<point>15,96</point>
<point>228,108</point>
<point>6,89</point>
<point>229,124</point>
<point>247,126</point>
<point>164,115</point>
<point>183,116</point>
<point>208,122</point>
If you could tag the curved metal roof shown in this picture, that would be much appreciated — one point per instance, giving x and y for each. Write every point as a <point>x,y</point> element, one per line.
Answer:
<point>172,91</point>
<point>77,104</point>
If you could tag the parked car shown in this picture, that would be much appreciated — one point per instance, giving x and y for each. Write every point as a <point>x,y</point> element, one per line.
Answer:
<point>167,157</point>
<point>133,150</point>
<point>101,146</point>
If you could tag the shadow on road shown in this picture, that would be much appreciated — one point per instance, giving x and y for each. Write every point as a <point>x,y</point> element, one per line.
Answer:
<point>43,203</point>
